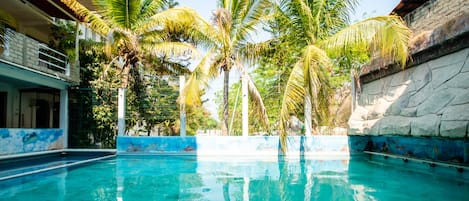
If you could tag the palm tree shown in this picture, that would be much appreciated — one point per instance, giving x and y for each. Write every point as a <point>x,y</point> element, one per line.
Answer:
<point>233,23</point>
<point>320,26</point>
<point>5,19</point>
<point>138,31</point>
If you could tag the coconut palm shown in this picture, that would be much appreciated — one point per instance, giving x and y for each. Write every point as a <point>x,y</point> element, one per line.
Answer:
<point>233,23</point>
<point>320,28</point>
<point>139,31</point>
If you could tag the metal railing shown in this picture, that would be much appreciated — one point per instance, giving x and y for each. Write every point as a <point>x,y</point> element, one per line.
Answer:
<point>27,52</point>
<point>53,59</point>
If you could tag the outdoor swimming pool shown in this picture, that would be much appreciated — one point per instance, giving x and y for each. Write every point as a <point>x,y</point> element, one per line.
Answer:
<point>152,177</point>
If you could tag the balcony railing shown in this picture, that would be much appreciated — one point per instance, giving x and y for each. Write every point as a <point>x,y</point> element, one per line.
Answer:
<point>27,52</point>
<point>52,59</point>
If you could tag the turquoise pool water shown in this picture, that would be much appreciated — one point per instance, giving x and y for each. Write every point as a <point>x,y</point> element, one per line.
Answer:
<point>132,178</point>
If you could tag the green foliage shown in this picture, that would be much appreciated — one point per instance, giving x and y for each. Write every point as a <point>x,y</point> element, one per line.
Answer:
<point>198,118</point>
<point>235,106</point>
<point>93,111</point>
<point>62,38</point>
<point>273,69</point>
<point>105,102</point>
<point>156,104</point>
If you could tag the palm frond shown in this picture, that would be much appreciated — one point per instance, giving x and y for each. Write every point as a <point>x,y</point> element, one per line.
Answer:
<point>304,18</point>
<point>174,17</point>
<point>198,80</point>
<point>386,35</point>
<point>311,82</point>
<point>180,20</point>
<point>123,13</point>
<point>249,15</point>
<point>170,49</point>
<point>316,68</point>
<point>223,21</point>
<point>224,4</point>
<point>250,52</point>
<point>154,36</point>
<point>165,66</point>
<point>149,8</point>
<point>292,101</point>
<point>94,21</point>
<point>315,62</point>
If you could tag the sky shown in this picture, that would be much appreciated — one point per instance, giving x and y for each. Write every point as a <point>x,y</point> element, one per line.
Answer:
<point>364,9</point>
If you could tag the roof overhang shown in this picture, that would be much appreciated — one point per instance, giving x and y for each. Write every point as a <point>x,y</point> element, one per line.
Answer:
<point>407,6</point>
<point>56,8</point>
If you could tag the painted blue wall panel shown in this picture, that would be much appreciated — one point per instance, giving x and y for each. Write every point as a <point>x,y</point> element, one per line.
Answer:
<point>18,140</point>
<point>231,145</point>
<point>439,149</point>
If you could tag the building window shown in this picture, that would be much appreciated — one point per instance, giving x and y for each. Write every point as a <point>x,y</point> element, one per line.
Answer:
<point>39,108</point>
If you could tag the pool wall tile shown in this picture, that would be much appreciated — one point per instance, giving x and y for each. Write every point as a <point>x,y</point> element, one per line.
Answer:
<point>437,149</point>
<point>428,148</point>
<point>18,140</point>
<point>235,145</point>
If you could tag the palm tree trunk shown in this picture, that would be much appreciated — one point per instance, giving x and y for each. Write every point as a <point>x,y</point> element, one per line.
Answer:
<point>226,81</point>
<point>125,76</point>
<point>308,124</point>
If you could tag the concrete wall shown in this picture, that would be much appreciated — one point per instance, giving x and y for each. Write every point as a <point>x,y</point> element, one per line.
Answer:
<point>15,141</point>
<point>431,99</point>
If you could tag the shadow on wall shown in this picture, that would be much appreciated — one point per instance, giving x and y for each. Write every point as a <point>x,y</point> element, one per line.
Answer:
<point>422,111</point>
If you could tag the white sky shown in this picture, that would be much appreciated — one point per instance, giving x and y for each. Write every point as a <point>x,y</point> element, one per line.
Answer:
<point>365,9</point>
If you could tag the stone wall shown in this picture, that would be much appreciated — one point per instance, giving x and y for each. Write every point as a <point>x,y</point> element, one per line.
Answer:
<point>431,99</point>
<point>435,13</point>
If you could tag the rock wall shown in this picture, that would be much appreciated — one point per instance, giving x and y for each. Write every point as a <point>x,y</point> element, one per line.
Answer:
<point>431,99</point>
